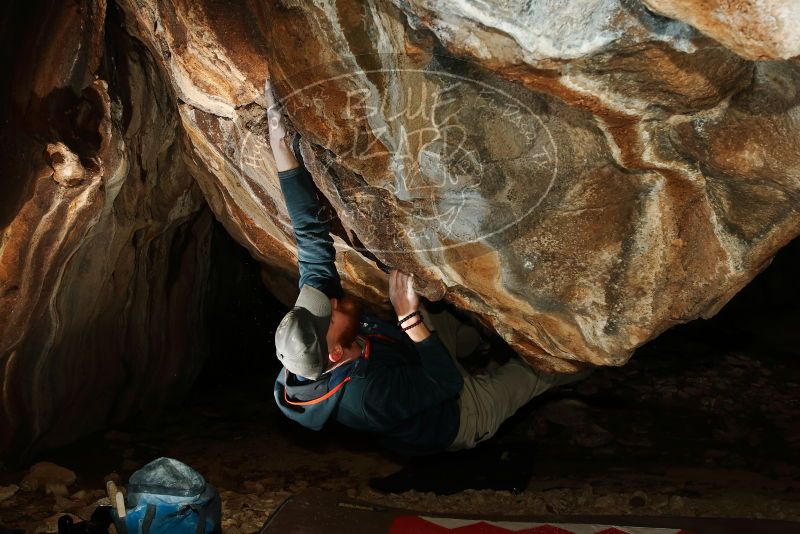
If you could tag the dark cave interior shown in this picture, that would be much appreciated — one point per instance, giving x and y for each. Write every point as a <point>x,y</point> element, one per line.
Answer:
<point>702,421</point>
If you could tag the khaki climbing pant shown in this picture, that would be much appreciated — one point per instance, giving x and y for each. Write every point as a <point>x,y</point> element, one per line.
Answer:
<point>488,399</point>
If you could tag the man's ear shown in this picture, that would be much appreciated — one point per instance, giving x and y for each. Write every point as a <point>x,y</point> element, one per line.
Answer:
<point>334,303</point>
<point>336,354</point>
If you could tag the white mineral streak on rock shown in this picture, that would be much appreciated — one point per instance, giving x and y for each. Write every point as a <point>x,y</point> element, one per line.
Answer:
<point>243,198</point>
<point>547,29</point>
<point>190,93</point>
<point>85,256</point>
<point>735,250</point>
<point>632,105</point>
<point>544,30</point>
<point>65,222</point>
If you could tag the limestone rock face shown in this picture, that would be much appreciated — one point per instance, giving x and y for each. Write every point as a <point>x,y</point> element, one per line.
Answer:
<point>579,175</point>
<point>103,256</point>
<point>754,29</point>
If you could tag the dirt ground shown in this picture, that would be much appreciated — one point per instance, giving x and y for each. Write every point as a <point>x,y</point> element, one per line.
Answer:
<point>685,429</point>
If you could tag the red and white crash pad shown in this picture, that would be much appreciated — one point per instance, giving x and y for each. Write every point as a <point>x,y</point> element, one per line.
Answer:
<point>409,524</point>
<point>318,512</point>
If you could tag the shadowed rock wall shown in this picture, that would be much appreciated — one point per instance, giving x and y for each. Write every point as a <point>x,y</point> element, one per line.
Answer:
<point>103,258</point>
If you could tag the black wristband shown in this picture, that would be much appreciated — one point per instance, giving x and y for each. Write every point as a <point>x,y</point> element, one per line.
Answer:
<point>407,317</point>
<point>409,327</point>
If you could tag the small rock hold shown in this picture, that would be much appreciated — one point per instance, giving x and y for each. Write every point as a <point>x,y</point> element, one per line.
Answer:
<point>67,168</point>
<point>49,476</point>
<point>6,492</point>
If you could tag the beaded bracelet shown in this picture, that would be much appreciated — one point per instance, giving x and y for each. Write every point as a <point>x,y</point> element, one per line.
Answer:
<point>409,327</point>
<point>407,317</point>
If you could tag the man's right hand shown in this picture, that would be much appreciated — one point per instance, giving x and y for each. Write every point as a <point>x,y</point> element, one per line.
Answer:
<point>401,293</point>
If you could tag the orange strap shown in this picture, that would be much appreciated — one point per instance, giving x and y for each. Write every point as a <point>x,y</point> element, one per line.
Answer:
<point>318,399</point>
<point>367,351</point>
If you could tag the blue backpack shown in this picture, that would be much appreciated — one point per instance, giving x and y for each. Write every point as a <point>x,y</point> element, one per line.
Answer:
<point>169,497</point>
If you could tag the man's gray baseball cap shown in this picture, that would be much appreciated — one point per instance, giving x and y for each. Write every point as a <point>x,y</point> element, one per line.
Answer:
<point>300,339</point>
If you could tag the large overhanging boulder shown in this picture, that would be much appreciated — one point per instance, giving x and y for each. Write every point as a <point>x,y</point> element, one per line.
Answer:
<point>579,175</point>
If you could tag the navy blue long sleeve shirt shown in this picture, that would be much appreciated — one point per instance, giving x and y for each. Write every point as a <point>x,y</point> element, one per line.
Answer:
<point>407,392</point>
<point>315,252</point>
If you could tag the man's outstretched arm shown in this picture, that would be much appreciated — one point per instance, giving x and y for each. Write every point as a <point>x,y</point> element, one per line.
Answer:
<point>315,251</point>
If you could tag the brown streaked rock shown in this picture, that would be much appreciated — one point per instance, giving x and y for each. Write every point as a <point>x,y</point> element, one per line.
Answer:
<point>754,29</point>
<point>575,225</point>
<point>103,259</point>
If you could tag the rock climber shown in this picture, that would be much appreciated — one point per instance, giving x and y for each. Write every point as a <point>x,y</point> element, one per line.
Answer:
<point>400,380</point>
